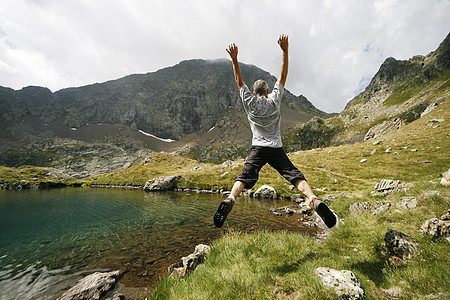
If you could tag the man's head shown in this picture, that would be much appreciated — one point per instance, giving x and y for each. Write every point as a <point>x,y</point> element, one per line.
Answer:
<point>260,88</point>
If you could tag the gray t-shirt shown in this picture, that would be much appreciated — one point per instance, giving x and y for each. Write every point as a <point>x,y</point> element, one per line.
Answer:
<point>264,116</point>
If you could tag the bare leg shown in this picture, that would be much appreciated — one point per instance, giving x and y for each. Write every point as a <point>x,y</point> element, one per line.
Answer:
<point>304,187</point>
<point>226,205</point>
<point>238,187</point>
<point>321,208</point>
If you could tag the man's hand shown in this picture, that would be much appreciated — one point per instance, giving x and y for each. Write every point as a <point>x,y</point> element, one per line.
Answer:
<point>284,45</point>
<point>283,42</point>
<point>232,51</point>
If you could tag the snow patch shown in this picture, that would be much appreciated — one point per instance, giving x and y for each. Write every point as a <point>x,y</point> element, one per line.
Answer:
<point>155,137</point>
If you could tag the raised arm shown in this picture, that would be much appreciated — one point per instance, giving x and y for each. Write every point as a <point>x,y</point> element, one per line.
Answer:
<point>233,52</point>
<point>284,45</point>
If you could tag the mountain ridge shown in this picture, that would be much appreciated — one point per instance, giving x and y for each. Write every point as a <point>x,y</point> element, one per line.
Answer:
<point>195,103</point>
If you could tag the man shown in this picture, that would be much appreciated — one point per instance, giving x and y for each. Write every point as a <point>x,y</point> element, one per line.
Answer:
<point>263,112</point>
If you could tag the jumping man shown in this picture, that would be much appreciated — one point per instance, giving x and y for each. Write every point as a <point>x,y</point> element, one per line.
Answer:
<point>263,113</point>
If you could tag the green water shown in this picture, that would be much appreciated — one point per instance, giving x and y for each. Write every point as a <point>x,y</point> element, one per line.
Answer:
<point>50,238</point>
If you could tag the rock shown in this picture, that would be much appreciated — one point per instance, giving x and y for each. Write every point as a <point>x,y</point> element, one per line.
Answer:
<point>289,210</point>
<point>266,192</point>
<point>446,217</point>
<point>343,282</point>
<point>394,292</point>
<point>407,203</point>
<point>164,183</point>
<point>298,198</point>
<point>384,128</point>
<point>92,287</point>
<point>387,186</point>
<point>116,296</point>
<point>366,207</point>
<point>399,247</point>
<point>189,263</point>
<point>445,181</point>
<point>437,228</point>
<point>428,109</point>
<point>429,194</point>
<point>377,142</point>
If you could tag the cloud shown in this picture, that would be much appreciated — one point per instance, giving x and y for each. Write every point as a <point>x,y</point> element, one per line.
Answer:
<point>335,46</point>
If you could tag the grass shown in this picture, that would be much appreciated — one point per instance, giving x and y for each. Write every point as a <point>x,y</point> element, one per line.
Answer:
<point>28,175</point>
<point>281,265</point>
<point>266,265</point>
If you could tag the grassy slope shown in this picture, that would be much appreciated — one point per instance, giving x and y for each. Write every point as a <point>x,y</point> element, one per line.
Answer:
<point>281,265</point>
<point>272,265</point>
<point>28,176</point>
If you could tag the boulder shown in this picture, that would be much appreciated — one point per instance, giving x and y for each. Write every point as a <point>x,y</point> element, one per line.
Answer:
<point>446,217</point>
<point>92,287</point>
<point>189,263</point>
<point>343,282</point>
<point>298,198</point>
<point>366,207</point>
<point>266,192</point>
<point>428,109</point>
<point>429,194</point>
<point>387,186</point>
<point>384,128</point>
<point>399,247</point>
<point>164,183</point>
<point>445,180</point>
<point>407,203</point>
<point>437,228</point>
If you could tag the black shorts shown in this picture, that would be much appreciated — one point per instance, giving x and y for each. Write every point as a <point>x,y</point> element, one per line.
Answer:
<point>275,157</point>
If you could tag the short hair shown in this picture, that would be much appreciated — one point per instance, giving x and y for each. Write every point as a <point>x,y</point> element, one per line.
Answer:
<point>260,87</point>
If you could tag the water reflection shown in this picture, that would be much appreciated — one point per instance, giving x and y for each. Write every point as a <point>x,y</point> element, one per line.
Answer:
<point>48,237</point>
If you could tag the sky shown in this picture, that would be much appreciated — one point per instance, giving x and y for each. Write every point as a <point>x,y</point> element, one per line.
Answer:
<point>335,46</point>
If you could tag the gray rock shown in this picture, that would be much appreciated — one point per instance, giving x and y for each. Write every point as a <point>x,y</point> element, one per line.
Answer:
<point>289,210</point>
<point>446,217</point>
<point>394,292</point>
<point>429,194</point>
<point>428,109</point>
<point>343,282</point>
<point>437,228</point>
<point>298,198</point>
<point>92,287</point>
<point>189,263</point>
<point>387,186</point>
<point>366,207</point>
<point>266,192</point>
<point>407,203</point>
<point>116,296</point>
<point>399,247</point>
<point>164,183</point>
<point>384,128</point>
<point>445,180</point>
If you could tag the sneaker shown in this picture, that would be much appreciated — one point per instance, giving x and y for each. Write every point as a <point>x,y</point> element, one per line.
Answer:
<point>324,212</point>
<point>222,212</point>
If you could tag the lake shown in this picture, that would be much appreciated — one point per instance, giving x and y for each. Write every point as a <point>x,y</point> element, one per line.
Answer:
<point>51,238</point>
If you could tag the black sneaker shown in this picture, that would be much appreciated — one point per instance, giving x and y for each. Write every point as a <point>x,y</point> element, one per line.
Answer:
<point>222,212</point>
<point>324,212</point>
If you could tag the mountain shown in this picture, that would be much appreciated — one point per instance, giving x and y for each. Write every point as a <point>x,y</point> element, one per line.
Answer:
<point>193,108</point>
<point>398,94</point>
<point>189,106</point>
